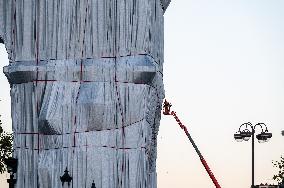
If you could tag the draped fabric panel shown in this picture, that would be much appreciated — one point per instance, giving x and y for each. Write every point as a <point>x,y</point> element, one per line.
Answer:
<point>86,90</point>
<point>74,29</point>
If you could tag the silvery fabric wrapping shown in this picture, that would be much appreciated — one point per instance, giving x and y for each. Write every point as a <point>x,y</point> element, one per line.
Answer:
<point>87,88</point>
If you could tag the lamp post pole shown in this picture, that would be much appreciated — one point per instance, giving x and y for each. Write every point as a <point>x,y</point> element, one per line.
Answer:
<point>12,165</point>
<point>11,181</point>
<point>246,131</point>
<point>252,168</point>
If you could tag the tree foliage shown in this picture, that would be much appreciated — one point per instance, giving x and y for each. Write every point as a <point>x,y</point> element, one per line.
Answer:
<point>280,166</point>
<point>6,147</point>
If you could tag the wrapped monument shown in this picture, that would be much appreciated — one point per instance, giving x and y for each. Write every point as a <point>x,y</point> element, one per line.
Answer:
<point>86,90</point>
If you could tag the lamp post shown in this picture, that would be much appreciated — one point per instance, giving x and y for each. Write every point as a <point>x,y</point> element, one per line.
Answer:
<point>12,165</point>
<point>282,184</point>
<point>246,131</point>
<point>66,178</point>
<point>93,185</point>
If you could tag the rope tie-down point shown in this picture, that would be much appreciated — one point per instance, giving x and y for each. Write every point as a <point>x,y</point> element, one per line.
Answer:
<point>167,111</point>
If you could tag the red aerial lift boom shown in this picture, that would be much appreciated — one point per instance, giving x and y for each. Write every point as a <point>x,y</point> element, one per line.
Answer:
<point>167,111</point>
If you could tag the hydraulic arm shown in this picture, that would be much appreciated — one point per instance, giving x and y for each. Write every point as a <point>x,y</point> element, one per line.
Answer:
<point>167,111</point>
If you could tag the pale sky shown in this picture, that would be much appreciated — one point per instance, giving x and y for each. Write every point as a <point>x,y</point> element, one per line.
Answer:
<point>224,66</point>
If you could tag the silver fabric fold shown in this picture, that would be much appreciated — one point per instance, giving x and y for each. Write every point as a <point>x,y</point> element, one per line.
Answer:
<point>109,120</point>
<point>132,69</point>
<point>165,4</point>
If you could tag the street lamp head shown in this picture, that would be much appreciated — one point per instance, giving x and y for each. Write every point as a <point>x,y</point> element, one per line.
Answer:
<point>268,136</point>
<point>93,185</point>
<point>263,137</point>
<point>12,164</point>
<point>243,134</point>
<point>246,134</point>
<point>66,177</point>
<point>238,137</point>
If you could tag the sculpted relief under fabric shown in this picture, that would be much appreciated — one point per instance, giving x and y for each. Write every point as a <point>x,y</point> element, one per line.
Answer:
<point>86,89</point>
